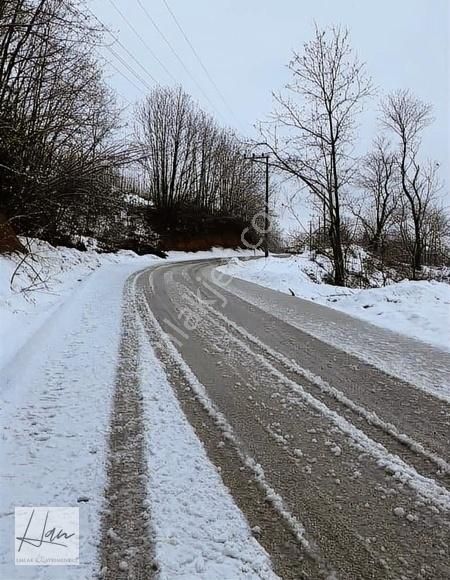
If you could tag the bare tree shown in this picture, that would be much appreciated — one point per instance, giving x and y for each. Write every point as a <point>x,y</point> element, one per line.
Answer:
<point>406,116</point>
<point>192,164</point>
<point>379,181</point>
<point>313,127</point>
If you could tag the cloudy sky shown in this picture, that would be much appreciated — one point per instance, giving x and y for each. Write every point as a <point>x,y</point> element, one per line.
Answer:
<point>245,45</point>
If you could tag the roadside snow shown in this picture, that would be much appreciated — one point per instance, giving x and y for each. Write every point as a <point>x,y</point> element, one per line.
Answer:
<point>417,309</point>
<point>49,276</point>
<point>43,282</point>
<point>213,253</point>
<point>56,395</point>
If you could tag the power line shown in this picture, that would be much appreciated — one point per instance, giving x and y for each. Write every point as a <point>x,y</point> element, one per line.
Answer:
<point>130,69</point>
<point>197,56</point>
<point>139,36</point>
<point>135,60</point>
<point>128,66</point>
<point>125,99</point>
<point>144,9</point>
<point>122,74</point>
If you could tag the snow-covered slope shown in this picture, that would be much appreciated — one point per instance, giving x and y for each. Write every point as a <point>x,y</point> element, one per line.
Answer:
<point>32,287</point>
<point>418,309</point>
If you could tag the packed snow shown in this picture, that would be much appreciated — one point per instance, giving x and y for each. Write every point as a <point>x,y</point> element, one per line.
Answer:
<point>56,396</point>
<point>419,309</point>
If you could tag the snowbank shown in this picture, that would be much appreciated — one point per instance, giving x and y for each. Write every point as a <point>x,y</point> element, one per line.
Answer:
<point>417,309</point>
<point>30,291</point>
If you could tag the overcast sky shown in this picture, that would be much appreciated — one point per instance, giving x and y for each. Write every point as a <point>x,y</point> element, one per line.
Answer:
<point>246,44</point>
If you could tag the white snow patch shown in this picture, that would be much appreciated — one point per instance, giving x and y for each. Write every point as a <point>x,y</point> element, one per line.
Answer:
<point>399,512</point>
<point>213,253</point>
<point>48,276</point>
<point>45,279</point>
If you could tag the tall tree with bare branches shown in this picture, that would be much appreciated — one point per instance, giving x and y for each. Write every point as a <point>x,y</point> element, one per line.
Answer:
<point>407,117</point>
<point>312,129</point>
<point>378,180</point>
<point>57,119</point>
<point>191,162</point>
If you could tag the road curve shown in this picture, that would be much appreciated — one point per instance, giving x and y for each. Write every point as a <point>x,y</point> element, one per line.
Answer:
<point>341,469</point>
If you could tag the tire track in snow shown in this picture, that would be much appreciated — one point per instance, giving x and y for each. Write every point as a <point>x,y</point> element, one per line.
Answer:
<point>126,550</point>
<point>261,504</point>
<point>337,517</point>
<point>423,367</point>
<point>426,461</point>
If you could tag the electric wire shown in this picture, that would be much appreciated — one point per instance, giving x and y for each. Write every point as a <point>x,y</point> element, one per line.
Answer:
<point>139,36</point>
<point>197,56</point>
<point>174,52</point>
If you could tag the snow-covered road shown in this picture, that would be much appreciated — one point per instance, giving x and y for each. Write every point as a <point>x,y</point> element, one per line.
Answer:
<point>59,394</point>
<point>354,461</point>
<point>252,445</point>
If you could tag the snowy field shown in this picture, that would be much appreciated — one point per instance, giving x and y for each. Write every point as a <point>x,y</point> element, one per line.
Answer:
<point>417,309</point>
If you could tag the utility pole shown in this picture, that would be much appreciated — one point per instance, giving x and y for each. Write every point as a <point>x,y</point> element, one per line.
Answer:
<point>264,158</point>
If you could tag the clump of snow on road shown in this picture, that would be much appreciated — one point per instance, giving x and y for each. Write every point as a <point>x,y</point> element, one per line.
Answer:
<point>419,309</point>
<point>199,532</point>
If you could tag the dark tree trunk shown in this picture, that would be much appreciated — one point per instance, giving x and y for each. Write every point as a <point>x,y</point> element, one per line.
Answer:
<point>417,256</point>
<point>374,243</point>
<point>338,256</point>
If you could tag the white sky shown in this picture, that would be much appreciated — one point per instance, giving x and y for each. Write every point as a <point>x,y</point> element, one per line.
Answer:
<point>246,44</point>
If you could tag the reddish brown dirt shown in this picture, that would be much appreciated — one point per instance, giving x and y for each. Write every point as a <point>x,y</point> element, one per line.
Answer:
<point>9,242</point>
<point>195,242</point>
